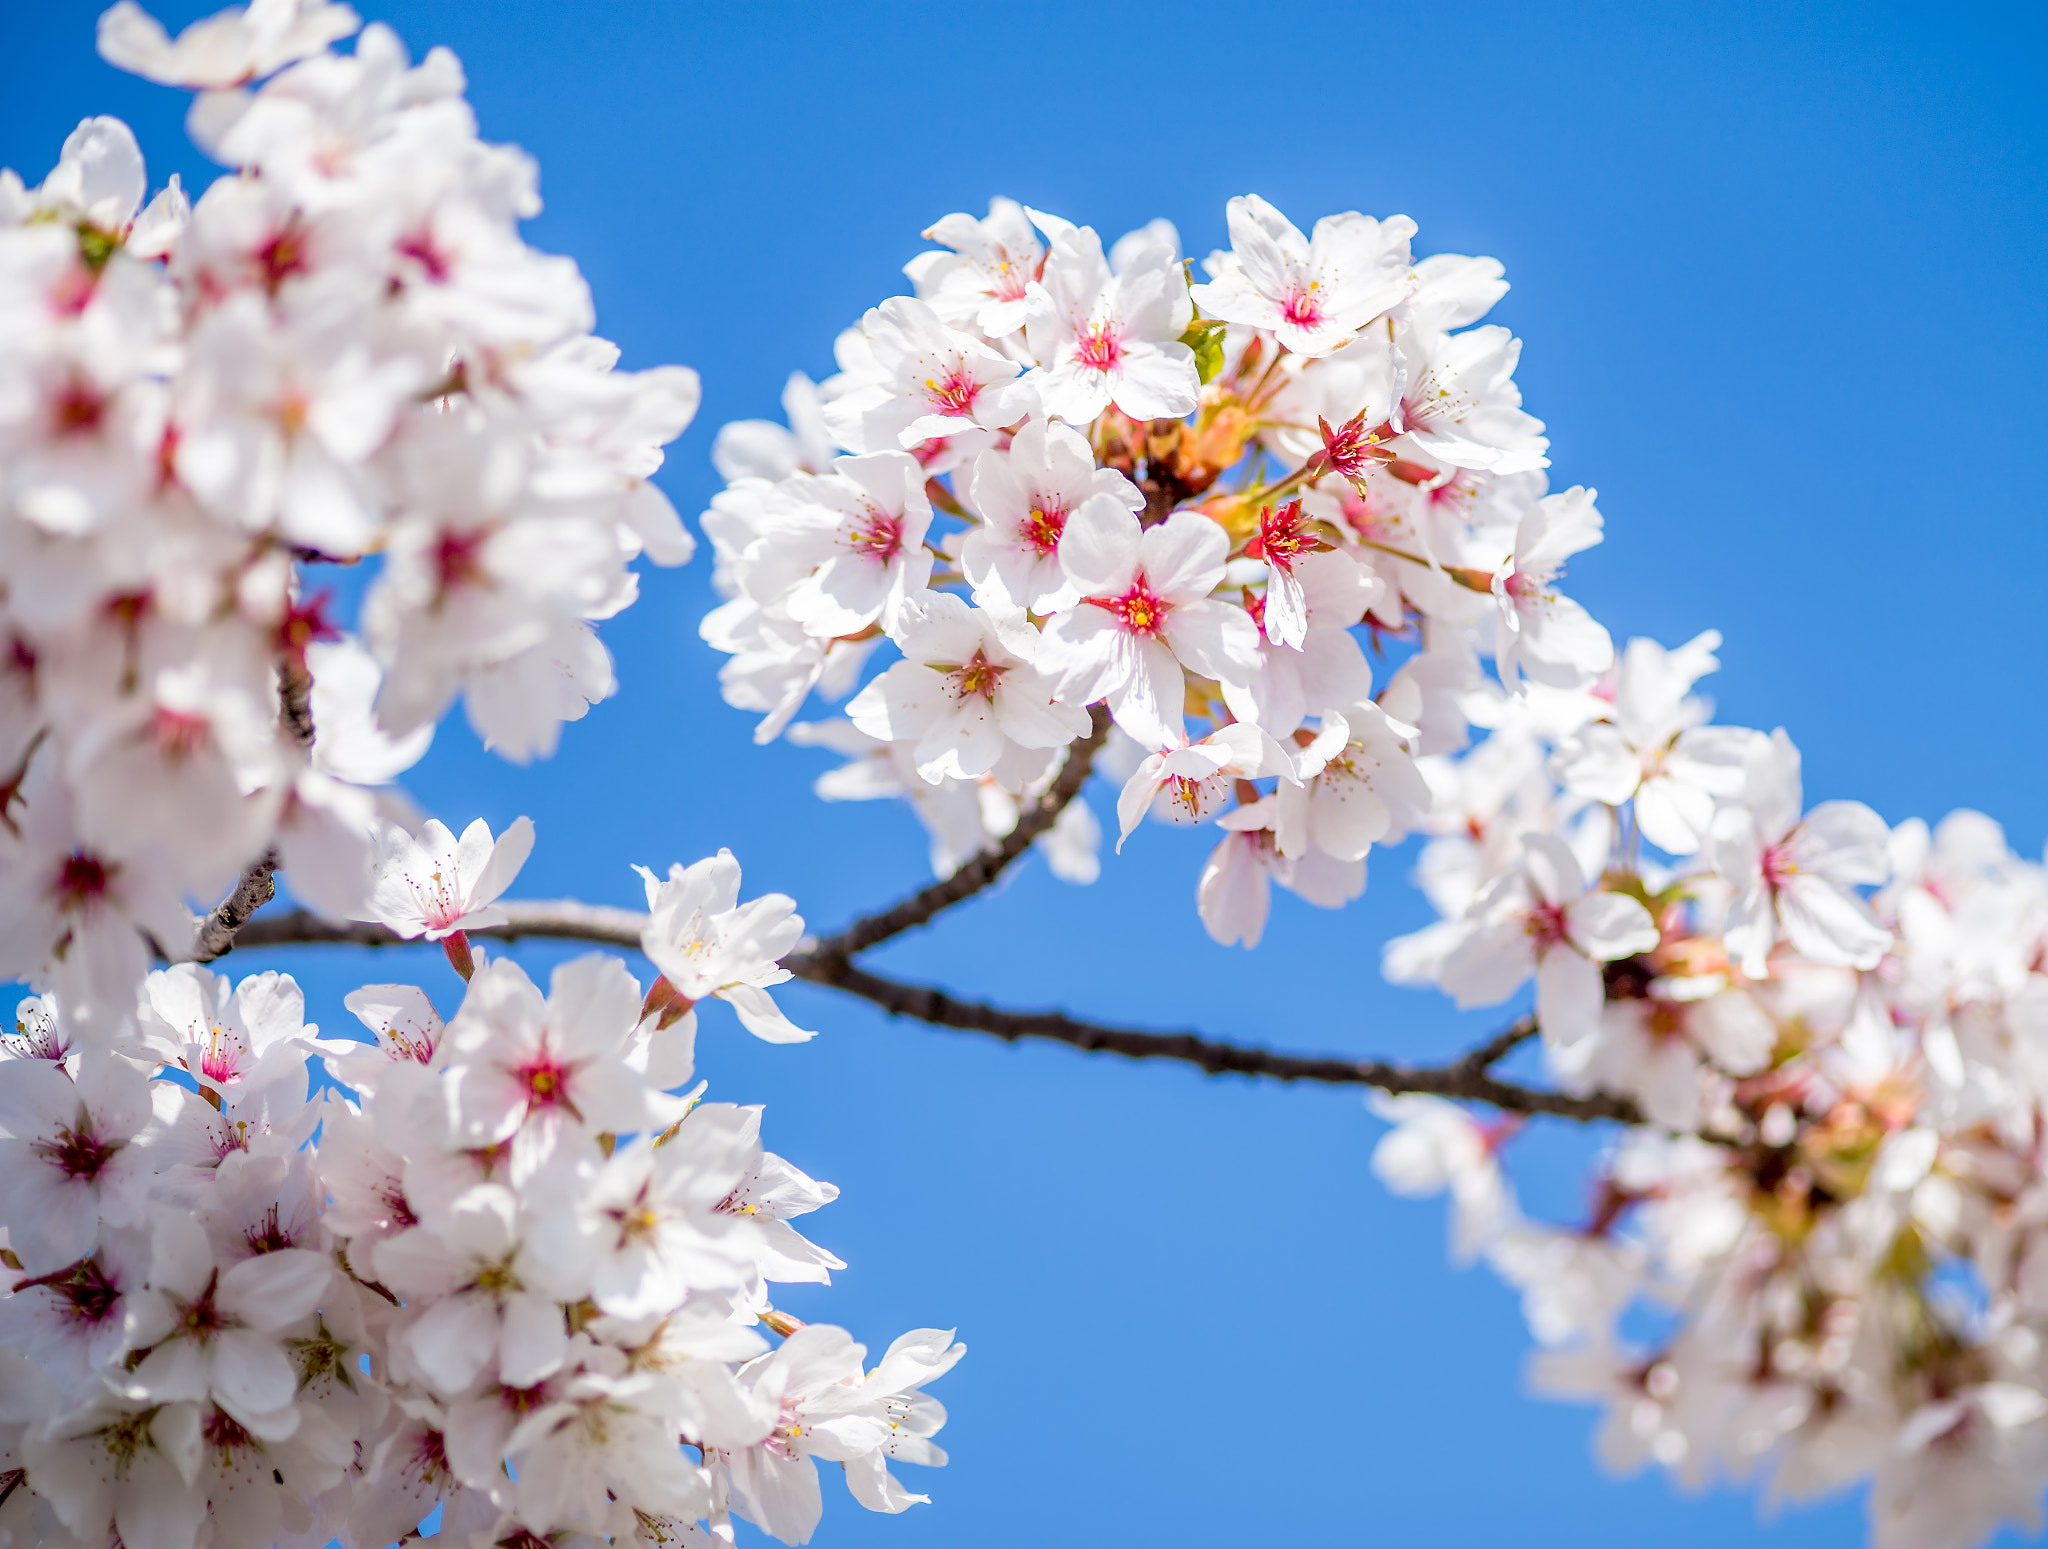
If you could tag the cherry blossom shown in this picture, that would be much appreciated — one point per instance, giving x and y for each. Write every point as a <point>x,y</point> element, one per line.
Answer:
<point>707,943</point>
<point>1102,338</point>
<point>1315,293</point>
<point>1145,614</point>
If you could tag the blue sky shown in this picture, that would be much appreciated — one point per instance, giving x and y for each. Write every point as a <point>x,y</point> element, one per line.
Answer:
<point>1778,272</point>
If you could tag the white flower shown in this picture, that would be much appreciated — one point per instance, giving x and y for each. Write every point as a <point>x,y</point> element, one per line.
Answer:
<point>831,1409</point>
<point>707,943</point>
<point>1459,402</point>
<point>921,380</point>
<point>72,1161</point>
<point>963,695</point>
<point>1654,752</point>
<point>1355,785</point>
<point>1794,876</point>
<point>1189,783</point>
<point>847,548</point>
<point>1541,632</point>
<point>1102,339</point>
<point>1145,612</point>
<point>986,277</point>
<point>227,49</point>
<point>1541,918</point>
<point>434,885</point>
<point>1023,496</point>
<point>1433,1146</point>
<point>1314,293</point>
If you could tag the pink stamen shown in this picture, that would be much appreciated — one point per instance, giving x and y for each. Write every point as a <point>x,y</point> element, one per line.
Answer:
<point>1140,610</point>
<point>1099,349</point>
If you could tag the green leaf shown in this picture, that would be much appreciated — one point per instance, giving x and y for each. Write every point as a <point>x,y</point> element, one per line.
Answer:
<point>1205,338</point>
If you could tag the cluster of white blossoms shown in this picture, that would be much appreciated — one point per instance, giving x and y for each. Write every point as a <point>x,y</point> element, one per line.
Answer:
<point>340,352</point>
<point>502,1272</point>
<point>516,1279</point>
<point>1057,476</point>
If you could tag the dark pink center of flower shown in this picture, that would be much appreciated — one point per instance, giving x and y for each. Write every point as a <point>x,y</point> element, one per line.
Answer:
<point>1778,865</point>
<point>420,248</point>
<point>1140,610</point>
<point>178,734</point>
<point>81,881</point>
<point>1302,310</point>
<point>1043,526</point>
<point>77,1153</point>
<point>79,409</point>
<point>954,392</point>
<point>878,535</point>
<point>82,1292</point>
<point>1099,348</point>
<point>1547,925</point>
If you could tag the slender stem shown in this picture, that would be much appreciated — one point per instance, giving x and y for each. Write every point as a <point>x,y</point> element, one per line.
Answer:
<point>978,874</point>
<point>1467,1078</point>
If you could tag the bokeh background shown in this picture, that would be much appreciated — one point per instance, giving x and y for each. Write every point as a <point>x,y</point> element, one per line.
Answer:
<point>1779,268</point>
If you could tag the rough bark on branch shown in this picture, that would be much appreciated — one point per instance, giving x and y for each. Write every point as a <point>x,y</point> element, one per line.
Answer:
<point>1468,1078</point>
<point>258,885</point>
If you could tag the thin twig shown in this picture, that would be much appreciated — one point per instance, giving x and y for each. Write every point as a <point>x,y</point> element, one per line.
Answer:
<point>1467,1078</point>
<point>872,930</point>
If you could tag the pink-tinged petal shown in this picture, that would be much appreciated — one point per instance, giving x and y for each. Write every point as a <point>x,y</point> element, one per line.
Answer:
<point>1569,993</point>
<point>1608,926</point>
<point>453,1340</point>
<point>1149,705</point>
<point>251,1374</point>
<point>532,1340</point>
<point>1829,925</point>
<point>1489,965</point>
<point>507,856</point>
<point>1183,557</point>
<point>1099,547</point>
<point>1234,894</point>
<point>1216,639</point>
<point>275,1289</point>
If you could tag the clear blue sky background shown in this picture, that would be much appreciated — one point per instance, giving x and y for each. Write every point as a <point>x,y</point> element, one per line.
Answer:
<point>1779,270</point>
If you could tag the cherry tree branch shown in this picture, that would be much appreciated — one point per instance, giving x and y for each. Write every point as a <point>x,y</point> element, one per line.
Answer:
<point>1468,1078</point>
<point>258,885</point>
<point>872,930</point>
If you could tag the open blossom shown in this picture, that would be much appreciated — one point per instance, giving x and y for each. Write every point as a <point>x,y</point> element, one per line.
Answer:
<point>1023,496</point>
<point>1796,875</point>
<point>1653,749</point>
<point>1101,338</point>
<point>985,279</point>
<point>1434,1147</point>
<point>1459,402</point>
<point>830,1409</point>
<point>963,695</point>
<point>1145,614</point>
<point>1541,632</point>
<point>225,50</point>
<point>74,1155</point>
<point>1316,292</point>
<point>847,548</point>
<point>1356,785</point>
<point>925,380</point>
<point>436,885</point>
<point>707,943</point>
<point>1541,918</point>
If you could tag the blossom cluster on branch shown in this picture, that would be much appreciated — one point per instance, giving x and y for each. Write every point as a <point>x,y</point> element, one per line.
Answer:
<point>503,1271</point>
<point>1059,474</point>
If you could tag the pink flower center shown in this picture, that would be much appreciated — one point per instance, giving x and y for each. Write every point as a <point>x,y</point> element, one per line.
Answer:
<point>178,734</point>
<point>221,1058</point>
<point>82,1293</point>
<point>77,1153</point>
<point>1283,537</point>
<point>420,248</point>
<point>954,393</point>
<point>877,535</point>
<point>1302,309</point>
<point>79,409</point>
<point>81,881</point>
<point>1140,610</point>
<point>1042,528</point>
<point>1546,926</point>
<point>546,1081</point>
<point>1779,865</point>
<point>1008,279</point>
<point>980,678</point>
<point>458,561</point>
<point>1099,348</point>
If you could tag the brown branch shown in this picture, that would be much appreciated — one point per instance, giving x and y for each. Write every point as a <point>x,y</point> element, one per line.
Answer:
<point>258,884</point>
<point>872,930</point>
<point>1467,1078</point>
